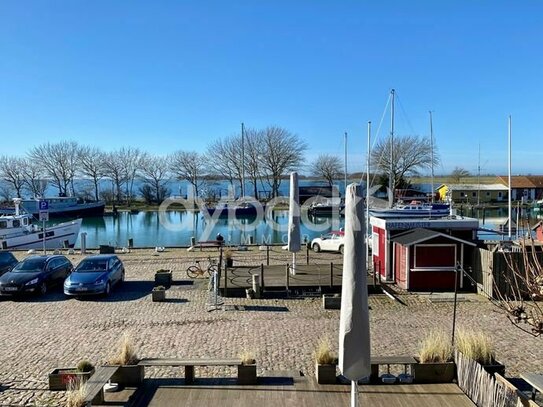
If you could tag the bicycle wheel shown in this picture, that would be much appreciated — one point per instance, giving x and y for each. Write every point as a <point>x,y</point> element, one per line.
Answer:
<point>193,271</point>
<point>211,269</point>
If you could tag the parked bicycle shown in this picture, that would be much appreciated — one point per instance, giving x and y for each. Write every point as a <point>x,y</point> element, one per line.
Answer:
<point>197,270</point>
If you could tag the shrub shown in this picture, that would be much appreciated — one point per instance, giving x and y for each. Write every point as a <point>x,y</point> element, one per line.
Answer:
<point>247,357</point>
<point>76,394</point>
<point>476,346</point>
<point>126,354</point>
<point>435,348</point>
<point>323,353</point>
<point>85,366</point>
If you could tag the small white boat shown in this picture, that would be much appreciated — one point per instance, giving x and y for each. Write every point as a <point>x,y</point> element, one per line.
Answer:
<point>18,232</point>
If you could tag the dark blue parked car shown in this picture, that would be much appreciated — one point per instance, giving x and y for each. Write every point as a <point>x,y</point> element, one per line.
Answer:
<point>95,275</point>
<point>36,274</point>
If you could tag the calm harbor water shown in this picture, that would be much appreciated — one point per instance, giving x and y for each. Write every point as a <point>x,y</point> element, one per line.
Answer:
<point>147,230</point>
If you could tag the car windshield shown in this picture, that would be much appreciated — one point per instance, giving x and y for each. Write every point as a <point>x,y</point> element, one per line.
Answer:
<point>30,266</point>
<point>89,266</point>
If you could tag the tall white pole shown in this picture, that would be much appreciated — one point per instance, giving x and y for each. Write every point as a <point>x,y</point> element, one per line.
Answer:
<point>391,180</point>
<point>509,176</point>
<point>242,159</point>
<point>345,161</point>
<point>369,232</point>
<point>354,393</point>
<point>432,147</point>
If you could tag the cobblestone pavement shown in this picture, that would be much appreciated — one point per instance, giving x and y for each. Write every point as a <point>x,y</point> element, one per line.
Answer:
<point>40,334</point>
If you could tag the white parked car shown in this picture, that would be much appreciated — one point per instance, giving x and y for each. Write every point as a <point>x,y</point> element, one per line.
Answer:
<point>330,242</point>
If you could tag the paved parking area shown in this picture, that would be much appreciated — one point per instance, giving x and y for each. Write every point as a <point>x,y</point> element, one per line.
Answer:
<point>40,334</point>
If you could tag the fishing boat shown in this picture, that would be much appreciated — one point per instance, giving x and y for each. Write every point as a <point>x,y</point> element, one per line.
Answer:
<point>18,232</point>
<point>60,207</point>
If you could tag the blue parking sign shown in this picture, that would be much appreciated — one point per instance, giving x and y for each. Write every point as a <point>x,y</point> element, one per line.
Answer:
<point>43,205</point>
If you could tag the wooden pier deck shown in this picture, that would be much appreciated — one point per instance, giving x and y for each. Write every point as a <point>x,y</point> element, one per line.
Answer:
<point>286,391</point>
<point>326,277</point>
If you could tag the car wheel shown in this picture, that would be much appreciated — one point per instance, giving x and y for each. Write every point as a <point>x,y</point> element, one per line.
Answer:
<point>108,289</point>
<point>316,248</point>
<point>43,288</point>
<point>341,249</point>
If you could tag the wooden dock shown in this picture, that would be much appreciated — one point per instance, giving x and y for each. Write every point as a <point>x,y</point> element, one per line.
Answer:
<point>321,277</point>
<point>277,391</point>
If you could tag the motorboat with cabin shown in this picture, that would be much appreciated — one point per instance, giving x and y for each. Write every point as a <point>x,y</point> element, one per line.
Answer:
<point>18,232</point>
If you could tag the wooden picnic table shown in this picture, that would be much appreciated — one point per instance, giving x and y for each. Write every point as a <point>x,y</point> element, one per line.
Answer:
<point>535,380</point>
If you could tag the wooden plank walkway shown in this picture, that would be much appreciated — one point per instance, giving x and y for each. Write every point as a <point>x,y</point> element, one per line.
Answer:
<point>291,391</point>
<point>326,276</point>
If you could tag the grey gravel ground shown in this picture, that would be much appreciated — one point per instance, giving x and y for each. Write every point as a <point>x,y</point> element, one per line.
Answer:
<point>40,334</point>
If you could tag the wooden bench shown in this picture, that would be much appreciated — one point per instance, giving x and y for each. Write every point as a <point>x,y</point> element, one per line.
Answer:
<point>209,244</point>
<point>96,383</point>
<point>389,360</point>
<point>189,364</point>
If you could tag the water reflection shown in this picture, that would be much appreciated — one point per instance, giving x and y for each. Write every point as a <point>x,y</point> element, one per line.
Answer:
<point>147,231</point>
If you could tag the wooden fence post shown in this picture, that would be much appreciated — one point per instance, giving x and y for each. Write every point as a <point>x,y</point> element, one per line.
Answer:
<point>262,276</point>
<point>267,255</point>
<point>287,271</point>
<point>331,275</point>
<point>225,281</point>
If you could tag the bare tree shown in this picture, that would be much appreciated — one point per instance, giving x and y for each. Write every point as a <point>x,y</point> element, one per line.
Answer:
<point>114,169</point>
<point>35,181</point>
<point>254,151</point>
<point>521,291</point>
<point>155,171</point>
<point>60,161</point>
<point>11,171</point>
<point>217,161</point>
<point>189,166</point>
<point>458,173</point>
<point>131,159</point>
<point>327,166</point>
<point>282,152</point>
<point>92,165</point>
<point>410,154</point>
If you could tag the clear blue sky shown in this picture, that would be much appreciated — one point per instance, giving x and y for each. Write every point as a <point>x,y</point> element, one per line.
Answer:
<point>166,75</point>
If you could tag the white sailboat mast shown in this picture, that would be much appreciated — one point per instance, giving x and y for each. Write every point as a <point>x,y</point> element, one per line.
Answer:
<point>432,148</point>
<point>345,163</point>
<point>391,181</point>
<point>509,176</point>
<point>369,232</point>
<point>242,159</point>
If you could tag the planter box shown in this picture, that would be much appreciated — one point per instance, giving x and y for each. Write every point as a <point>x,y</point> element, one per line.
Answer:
<point>163,277</point>
<point>158,295</point>
<point>496,367</point>
<point>326,374</point>
<point>331,301</point>
<point>247,374</point>
<point>434,372</point>
<point>59,378</point>
<point>129,375</point>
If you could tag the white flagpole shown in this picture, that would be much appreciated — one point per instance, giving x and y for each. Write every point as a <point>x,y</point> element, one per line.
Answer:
<point>354,393</point>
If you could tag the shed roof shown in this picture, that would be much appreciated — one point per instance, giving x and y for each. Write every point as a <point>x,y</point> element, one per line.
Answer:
<point>477,187</point>
<point>418,235</point>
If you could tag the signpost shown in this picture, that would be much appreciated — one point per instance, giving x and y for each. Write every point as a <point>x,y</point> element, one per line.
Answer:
<point>43,207</point>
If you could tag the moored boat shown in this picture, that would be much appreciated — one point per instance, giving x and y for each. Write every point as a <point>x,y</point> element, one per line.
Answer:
<point>60,207</point>
<point>413,210</point>
<point>18,232</point>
